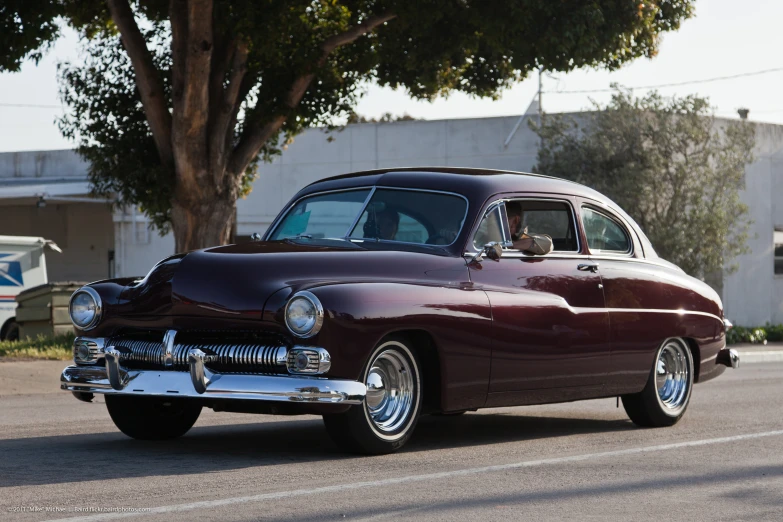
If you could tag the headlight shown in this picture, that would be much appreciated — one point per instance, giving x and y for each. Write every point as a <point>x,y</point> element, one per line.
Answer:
<point>304,314</point>
<point>85,308</point>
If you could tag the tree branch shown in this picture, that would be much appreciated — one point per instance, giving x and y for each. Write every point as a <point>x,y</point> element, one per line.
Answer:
<point>255,138</point>
<point>147,78</point>
<point>223,112</point>
<point>338,40</point>
<point>225,48</point>
<point>247,84</point>
<point>179,35</point>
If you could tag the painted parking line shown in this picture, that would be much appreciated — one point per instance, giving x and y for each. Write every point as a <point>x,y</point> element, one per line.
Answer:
<point>208,504</point>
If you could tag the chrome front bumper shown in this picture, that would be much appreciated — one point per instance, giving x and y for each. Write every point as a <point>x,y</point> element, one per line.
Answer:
<point>202,383</point>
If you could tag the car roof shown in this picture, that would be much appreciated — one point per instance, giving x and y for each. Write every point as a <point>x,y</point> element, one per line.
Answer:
<point>477,185</point>
<point>473,183</point>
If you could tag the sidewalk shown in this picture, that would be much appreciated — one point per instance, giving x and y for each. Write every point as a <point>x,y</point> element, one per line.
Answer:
<point>759,353</point>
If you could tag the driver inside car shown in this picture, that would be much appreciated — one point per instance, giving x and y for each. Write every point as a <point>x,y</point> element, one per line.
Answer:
<point>529,243</point>
<point>514,213</point>
<point>382,224</point>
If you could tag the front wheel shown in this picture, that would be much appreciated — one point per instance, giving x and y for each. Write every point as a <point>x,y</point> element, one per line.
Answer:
<point>152,418</point>
<point>664,399</point>
<point>386,419</point>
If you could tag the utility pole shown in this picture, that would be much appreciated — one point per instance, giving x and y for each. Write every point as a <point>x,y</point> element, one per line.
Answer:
<point>540,90</point>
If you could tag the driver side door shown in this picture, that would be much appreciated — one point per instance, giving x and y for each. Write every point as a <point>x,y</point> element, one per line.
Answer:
<point>550,326</point>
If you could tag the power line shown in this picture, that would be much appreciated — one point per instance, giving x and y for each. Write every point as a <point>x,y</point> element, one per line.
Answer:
<point>676,84</point>
<point>31,106</point>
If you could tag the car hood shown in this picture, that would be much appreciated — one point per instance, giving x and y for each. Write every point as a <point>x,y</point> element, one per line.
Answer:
<point>235,281</point>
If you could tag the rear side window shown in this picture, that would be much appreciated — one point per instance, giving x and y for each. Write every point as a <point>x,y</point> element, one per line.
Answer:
<point>605,234</point>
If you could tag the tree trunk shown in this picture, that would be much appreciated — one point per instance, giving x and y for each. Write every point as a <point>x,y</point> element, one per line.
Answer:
<point>202,224</point>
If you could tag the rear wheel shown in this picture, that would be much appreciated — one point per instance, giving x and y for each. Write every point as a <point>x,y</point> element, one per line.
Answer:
<point>386,419</point>
<point>152,418</point>
<point>665,398</point>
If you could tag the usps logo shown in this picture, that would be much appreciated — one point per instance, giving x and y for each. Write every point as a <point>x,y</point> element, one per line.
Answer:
<point>10,271</point>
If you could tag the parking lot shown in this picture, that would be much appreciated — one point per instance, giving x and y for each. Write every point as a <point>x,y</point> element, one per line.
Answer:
<point>62,458</point>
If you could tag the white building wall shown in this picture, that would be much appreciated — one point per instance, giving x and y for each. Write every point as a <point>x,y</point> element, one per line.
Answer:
<point>748,289</point>
<point>776,194</point>
<point>753,294</point>
<point>137,246</point>
<point>42,164</point>
<point>83,231</point>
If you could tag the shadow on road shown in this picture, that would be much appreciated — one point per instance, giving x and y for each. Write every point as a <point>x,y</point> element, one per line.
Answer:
<point>100,456</point>
<point>749,484</point>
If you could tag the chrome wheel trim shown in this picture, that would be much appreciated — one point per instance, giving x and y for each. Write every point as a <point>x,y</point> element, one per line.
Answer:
<point>393,397</point>
<point>673,376</point>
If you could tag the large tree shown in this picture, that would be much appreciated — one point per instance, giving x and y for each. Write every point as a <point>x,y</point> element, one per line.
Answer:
<point>670,164</point>
<point>178,99</point>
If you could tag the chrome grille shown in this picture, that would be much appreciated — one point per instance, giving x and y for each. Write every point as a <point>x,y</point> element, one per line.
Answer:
<point>141,351</point>
<point>268,356</point>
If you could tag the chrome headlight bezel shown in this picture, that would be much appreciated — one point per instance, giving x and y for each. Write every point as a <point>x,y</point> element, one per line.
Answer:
<point>98,308</point>
<point>318,313</point>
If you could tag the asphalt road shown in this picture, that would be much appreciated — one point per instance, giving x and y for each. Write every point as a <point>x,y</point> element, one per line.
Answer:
<point>578,461</point>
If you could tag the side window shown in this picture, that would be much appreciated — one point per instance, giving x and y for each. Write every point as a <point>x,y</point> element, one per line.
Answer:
<point>490,229</point>
<point>604,234</point>
<point>552,218</point>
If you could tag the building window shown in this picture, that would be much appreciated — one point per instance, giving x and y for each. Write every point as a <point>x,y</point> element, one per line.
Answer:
<point>779,250</point>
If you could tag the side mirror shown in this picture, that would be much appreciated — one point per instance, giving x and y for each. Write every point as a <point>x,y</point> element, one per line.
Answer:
<point>492,250</point>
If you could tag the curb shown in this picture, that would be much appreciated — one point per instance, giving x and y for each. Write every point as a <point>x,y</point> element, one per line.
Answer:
<point>760,356</point>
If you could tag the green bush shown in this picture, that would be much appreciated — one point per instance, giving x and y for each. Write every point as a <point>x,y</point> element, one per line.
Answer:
<point>58,348</point>
<point>756,334</point>
<point>775,333</point>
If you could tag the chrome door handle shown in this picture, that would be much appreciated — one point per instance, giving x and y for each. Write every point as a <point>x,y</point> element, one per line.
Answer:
<point>588,267</point>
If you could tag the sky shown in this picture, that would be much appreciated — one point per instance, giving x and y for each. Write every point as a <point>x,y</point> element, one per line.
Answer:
<point>725,38</point>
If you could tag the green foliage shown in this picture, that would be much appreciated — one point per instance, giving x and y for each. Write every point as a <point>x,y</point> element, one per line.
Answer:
<point>386,117</point>
<point>107,120</point>
<point>669,164</point>
<point>27,29</point>
<point>774,332</point>
<point>429,48</point>
<point>741,334</point>
<point>57,348</point>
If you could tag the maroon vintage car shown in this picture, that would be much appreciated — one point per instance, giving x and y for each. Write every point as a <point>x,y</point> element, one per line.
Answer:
<point>380,296</point>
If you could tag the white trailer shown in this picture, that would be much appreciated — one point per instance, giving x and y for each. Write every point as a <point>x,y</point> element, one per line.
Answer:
<point>22,266</point>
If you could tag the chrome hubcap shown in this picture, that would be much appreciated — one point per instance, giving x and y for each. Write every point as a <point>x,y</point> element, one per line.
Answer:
<point>673,375</point>
<point>390,391</point>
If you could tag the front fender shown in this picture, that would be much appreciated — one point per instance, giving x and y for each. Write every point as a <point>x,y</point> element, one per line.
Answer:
<point>457,318</point>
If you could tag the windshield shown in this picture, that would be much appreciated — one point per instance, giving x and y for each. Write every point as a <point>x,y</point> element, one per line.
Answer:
<point>409,216</point>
